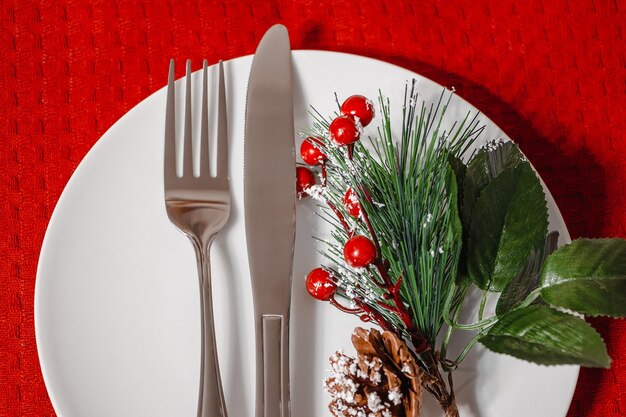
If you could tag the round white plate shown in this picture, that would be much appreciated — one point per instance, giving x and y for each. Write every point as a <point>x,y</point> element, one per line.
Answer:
<point>116,300</point>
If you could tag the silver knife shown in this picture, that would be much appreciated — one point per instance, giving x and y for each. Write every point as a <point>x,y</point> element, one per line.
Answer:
<point>270,214</point>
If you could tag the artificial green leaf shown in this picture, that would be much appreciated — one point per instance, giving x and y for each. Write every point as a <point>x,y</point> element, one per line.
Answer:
<point>510,218</point>
<point>528,278</point>
<point>485,165</point>
<point>459,169</point>
<point>489,162</point>
<point>540,334</point>
<point>456,228</point>
<point>588,276</point>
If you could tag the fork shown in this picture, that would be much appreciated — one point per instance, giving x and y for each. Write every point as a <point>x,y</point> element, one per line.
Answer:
<point>200,207</point>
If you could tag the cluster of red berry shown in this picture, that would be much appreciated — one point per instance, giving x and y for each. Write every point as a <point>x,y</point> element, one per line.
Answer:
<point>359,251</point>
<point>356,112</point>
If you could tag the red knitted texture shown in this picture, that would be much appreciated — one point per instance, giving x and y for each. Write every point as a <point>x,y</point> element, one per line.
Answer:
<point>552,74</point>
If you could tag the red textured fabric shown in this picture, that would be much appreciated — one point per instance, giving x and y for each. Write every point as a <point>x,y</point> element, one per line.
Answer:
<point>552,74</point>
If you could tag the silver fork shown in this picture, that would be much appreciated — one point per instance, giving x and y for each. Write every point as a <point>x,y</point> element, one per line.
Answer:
<point>200,208</point>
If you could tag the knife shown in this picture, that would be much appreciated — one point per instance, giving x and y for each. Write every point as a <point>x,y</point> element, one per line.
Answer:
<point>270,214</point>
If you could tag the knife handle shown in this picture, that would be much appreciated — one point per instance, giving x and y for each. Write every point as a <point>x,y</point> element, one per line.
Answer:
<point>272,380</point>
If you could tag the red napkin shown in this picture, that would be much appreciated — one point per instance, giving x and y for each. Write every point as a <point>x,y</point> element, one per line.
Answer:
<point>551,74</point>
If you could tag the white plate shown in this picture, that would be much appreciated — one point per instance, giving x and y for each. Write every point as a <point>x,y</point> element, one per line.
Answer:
<point>116,301</point>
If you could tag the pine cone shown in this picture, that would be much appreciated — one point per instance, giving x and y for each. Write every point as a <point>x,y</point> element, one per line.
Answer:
<point>383,381</point>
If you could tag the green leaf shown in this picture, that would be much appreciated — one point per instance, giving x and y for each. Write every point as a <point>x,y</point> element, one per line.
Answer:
<point>509,220</point>
<point>456,228</point>
<point>528,278</point>
<point>489,162</point>
<point>485,165</point>
<point>548,337</point>
<point>459,170</point>
<point>588,276</point>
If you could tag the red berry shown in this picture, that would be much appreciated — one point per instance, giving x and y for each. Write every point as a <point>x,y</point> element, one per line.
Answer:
<point>304,180</point>
<point>359,106</point>
<point>359,252</point>
<point>351,203</point>
<point>310,151</point>
<point>320,285</point>
<point>344,130</point>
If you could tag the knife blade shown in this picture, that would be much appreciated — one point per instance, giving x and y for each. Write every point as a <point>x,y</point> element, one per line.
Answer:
<point>269,203</point>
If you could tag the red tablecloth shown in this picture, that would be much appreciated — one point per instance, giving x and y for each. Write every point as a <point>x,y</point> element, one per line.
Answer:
<point>552,74</point>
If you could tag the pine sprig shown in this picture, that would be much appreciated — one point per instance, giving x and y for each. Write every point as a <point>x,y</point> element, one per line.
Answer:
<point>408,196</point>
<point>441,224</point>
<point>422,237</point>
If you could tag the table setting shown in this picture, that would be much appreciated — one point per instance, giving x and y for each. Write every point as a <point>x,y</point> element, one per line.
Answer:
<point>311,214</point>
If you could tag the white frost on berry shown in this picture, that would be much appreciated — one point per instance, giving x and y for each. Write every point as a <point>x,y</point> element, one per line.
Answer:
<point>352,197</point>
<point>359,127</point>
<point>317,192</point>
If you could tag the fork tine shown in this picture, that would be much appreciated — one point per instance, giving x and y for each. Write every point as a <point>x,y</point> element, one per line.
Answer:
<point>169,160</point>
<point>204,127</point>
<point>187,146</point>
<point>222,127</point>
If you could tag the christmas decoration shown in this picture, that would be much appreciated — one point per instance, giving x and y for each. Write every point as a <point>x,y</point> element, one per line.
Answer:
<point>360,108</point>
<point>359,252</point>
<point>384,380</point>
<point>416,223</point>
<point>320,284</point>
<point>344,130</point>
<point>351,203</point>
<point>311,153</point>
<point>304,181</point>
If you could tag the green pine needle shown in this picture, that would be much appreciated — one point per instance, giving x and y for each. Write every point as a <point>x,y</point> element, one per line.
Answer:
<point>411,204</point>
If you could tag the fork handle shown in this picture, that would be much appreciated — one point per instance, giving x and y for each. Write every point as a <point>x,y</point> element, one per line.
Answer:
<point>211,396</point>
